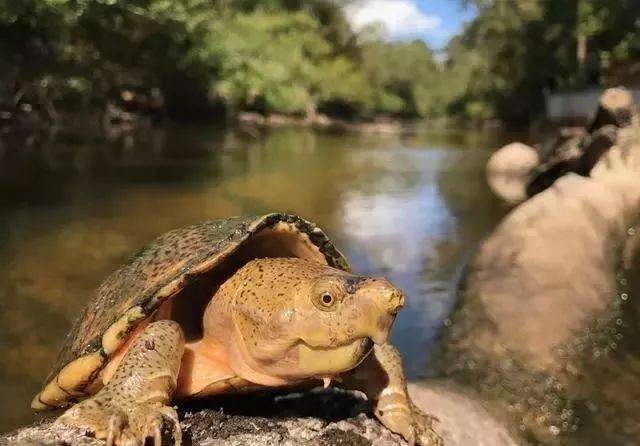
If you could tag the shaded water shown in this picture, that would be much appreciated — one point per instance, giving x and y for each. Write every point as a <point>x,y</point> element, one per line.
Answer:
<point>72,210</point>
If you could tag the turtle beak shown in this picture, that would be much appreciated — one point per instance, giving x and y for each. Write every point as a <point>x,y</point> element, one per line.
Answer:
<point>384,303</point>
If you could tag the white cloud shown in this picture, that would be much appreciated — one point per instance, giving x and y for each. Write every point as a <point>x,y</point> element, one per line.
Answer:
<point>401,18</point>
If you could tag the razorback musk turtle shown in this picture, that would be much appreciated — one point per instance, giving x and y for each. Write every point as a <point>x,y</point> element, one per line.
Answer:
<point>225,306</point>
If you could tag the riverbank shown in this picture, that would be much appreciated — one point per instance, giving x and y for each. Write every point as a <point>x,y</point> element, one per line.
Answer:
<point>131,112</point>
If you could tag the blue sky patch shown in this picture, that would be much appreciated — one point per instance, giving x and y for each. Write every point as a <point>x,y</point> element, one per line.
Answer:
<point>434,21</point>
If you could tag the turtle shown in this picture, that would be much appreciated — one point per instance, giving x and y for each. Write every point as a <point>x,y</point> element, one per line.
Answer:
<point>229,306</point>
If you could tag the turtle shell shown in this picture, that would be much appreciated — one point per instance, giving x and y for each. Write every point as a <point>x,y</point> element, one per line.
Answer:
<point>197,257</point>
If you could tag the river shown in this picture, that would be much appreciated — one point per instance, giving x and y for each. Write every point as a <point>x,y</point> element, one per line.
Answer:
<point>410,207</point>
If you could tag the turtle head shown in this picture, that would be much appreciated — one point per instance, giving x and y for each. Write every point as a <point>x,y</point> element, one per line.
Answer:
<point>341,316</point>
<point>298,319</point>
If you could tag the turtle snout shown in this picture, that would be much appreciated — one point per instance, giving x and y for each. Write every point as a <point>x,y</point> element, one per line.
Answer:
<point>387,301</point>
<point>390,298</point>
<point>395,301</point>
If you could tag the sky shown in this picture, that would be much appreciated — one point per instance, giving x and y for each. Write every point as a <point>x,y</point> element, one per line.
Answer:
<point>434,21</point>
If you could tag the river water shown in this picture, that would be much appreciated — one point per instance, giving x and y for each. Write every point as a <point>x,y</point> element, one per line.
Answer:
<point>72,209</point>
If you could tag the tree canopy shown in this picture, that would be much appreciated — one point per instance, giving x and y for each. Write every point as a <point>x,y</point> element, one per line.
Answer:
<point>514,51</point>
<point>296,57</point>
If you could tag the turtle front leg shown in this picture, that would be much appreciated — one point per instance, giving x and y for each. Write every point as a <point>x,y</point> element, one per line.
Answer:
<point>133,405</point>
<point>381,378</point>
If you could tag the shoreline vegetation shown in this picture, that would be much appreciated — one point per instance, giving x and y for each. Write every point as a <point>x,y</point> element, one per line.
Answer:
<point>295,62</point>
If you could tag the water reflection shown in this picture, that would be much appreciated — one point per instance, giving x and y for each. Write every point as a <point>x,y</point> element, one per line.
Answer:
<point>74,208</point>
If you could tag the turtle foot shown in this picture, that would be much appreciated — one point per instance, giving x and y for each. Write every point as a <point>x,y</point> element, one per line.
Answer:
<point>411,423</point>
<point>423,428</point>
<point>128,427</point>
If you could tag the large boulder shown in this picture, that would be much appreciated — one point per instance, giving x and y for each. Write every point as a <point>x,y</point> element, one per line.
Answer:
<point>545,326</point>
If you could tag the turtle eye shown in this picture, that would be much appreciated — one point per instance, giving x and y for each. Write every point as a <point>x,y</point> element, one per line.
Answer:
<point>327,299</point>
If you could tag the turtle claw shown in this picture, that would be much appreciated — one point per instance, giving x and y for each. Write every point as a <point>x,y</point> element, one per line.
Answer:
<point>131,407</point>
<point>129,427</point>
<point>412,425</point>
<point>128,439</point>
<point>114,430</point>
<point>423,428</point>
<point>147,421</point>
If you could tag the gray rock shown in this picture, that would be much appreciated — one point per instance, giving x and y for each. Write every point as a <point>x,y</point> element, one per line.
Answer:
<point>545,324</point>
<point>336,418</point>
<point>462,418</point>
<point>316,418</point>
<point>509,170</point>
<point>616,108</point>
<point>582,152</point>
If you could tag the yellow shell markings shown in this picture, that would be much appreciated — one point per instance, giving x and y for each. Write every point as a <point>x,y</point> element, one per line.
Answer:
<point>156,273</point>
<point>69,382</point>
<point>115,336</point>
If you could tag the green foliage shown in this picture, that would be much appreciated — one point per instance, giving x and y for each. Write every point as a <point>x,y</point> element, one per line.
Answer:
<point>401,74</point>
<point>278,59</point>
<point>287,56</point>
<point>520,49</point>
<point>265,56</point>
<point>295,56</point>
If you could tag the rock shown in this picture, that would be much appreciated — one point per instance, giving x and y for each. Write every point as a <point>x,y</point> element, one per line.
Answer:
<point>624,156</point>
<point>211,428</point>
<point>462,420</point>
<point>579,154</point>
<point>47,435</point>
<point>616,108</point>
<point>544,311</point>
<point>251,118</point>
<point>322,418</point>
<point>316,418</point>
<point>509,170</point>
<point>595,145</point>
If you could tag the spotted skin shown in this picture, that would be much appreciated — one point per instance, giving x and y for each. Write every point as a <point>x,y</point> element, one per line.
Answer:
<point>275,325</point>
<point>133,405</point>
<point>270,319</point>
